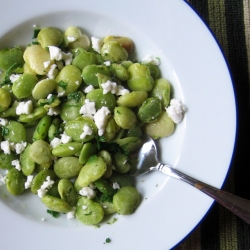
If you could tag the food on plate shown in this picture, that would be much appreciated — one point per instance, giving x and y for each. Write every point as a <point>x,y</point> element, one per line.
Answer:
<point>72,110</point>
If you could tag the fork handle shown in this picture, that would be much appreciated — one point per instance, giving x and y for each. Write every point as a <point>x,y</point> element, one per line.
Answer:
<point>236,204</point>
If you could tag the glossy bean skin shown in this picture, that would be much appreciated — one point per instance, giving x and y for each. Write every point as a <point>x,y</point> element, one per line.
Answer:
<point>150,109</point>
<point>5,99</point>
<point>74,128</point>
<point>67,149</point>
<point>92,215</point>
<point>84,59</point>
<point>43,88</point>
<point>56,204</point>
<point>111,129</point>
<point>162,91</point>
<point>54,128</point>
<point>40,178</point>
<point>6,159</point>
<point>23,86</point>
<point>49,36</point>
<point>15,181</point>
<point>28,165</point>
<point>82,41</point>
<point>154,70</point>
<point>37,114</point>
<point>35,56</point>
<point>71,78</point>
<point>67,167</point>
<point>108,159</point>
<point>125,42</point>
<point>17,132</point>
<point>124,117</point>
<point>121,162</point>
<point>91,171</point>
<point>40,152</point>
<point>90,71</point>
<point>71,107</point>
<point>163,127</point>
<point>53,190</point>
<point>133,99</point>
<point>67,192</point>
<point>126,200</point>
<point>10,56</point>
<point>101,99</point>
<point>42,128</point>
<point>129,144</point>
<point>140,78</point>
<point>113,51</point>
<point>119,71</point>
<point>88,149</point>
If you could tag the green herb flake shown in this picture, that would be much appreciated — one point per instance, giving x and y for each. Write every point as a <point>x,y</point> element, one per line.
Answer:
<point>5,131</point>
<point>76,96</point>
<point>7,80</point>
<point>108,240</point>
<point>35,33</point>
<point>63,84</point>
<point>53,213</point>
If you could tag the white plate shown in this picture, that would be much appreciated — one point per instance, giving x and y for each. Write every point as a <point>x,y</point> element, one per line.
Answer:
<point>202,145</point>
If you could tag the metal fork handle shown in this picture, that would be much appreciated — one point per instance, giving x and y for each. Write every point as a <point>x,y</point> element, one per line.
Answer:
<point>236,204</point>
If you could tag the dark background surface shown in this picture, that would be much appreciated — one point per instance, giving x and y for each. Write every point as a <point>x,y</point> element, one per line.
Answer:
<point>229,21</point>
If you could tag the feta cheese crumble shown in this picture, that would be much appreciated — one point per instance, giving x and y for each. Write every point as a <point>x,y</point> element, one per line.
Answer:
<point>151,59</point>
<point>116,185</point>
<point>53,71</point>
<point>3,121</point>
<point>176,110</point>
<point>71,39</point>
<point>71,214</point>
<point>2,179</point>
<point>14,77</point>
<point>55,53</point>
<point>5,146</point>
<point>107,63</point>
<point>16,164</point>
<point>54,111</point>
<point>19,147</point>
<point>88,109</point>
<point>24,108</point>
<point>101,119</point>
<point>89,89</point>
<point>47,184</point>
<point>28,182</point>
<point>86,131</point>
<point>65,138</point>
<point>113,88</point>
<point>96,44</point>
<point>88,192</point>
<point>55,142</point>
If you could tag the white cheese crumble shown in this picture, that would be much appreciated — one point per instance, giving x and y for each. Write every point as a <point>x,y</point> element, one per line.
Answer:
<point>14,77</point>
<point>3,121</point>
<point>71,214</point>
<point>55,142</point>
<point>65,138</point>
<point>5,146</point>
<point>86,131</point>
<point>54,111</point>
<point>19,147</point>
<point>109,87</point>
<point>24,108</point>
<point>88,192</point>
<point>46,64</point>
<point>151,59</point>
<point>55,53</point>
<point>28,182</point>
<point>47,184</point>
<point>96,44</point>
<point>116,185</point>
<point>120,90</point>
<point>89,89</point>
<point>71,39</point>
<point>3,179</point>
<point>107,63</point>
<point>88,109</point>
<point>61,94</point>
<point>16,164</point>
<point>67,57</point>
<point>53,71</point>
<point>101,118</point>
<point>176,110</point>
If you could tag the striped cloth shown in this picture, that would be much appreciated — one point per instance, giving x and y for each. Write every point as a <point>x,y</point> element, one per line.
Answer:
<point>229,20</point>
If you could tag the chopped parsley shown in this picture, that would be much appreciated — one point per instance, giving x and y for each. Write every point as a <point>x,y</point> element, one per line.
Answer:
<point>43,102</point>
<point>75,95</point>
<point>53,213</point>
<point>63,84</point>
<point>5,131</point>
<point>7,80</point>
<point>108,240</point>
<point>35,33</point>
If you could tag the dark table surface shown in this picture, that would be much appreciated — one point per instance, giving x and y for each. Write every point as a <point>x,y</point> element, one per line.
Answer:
<point>229,21</point>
